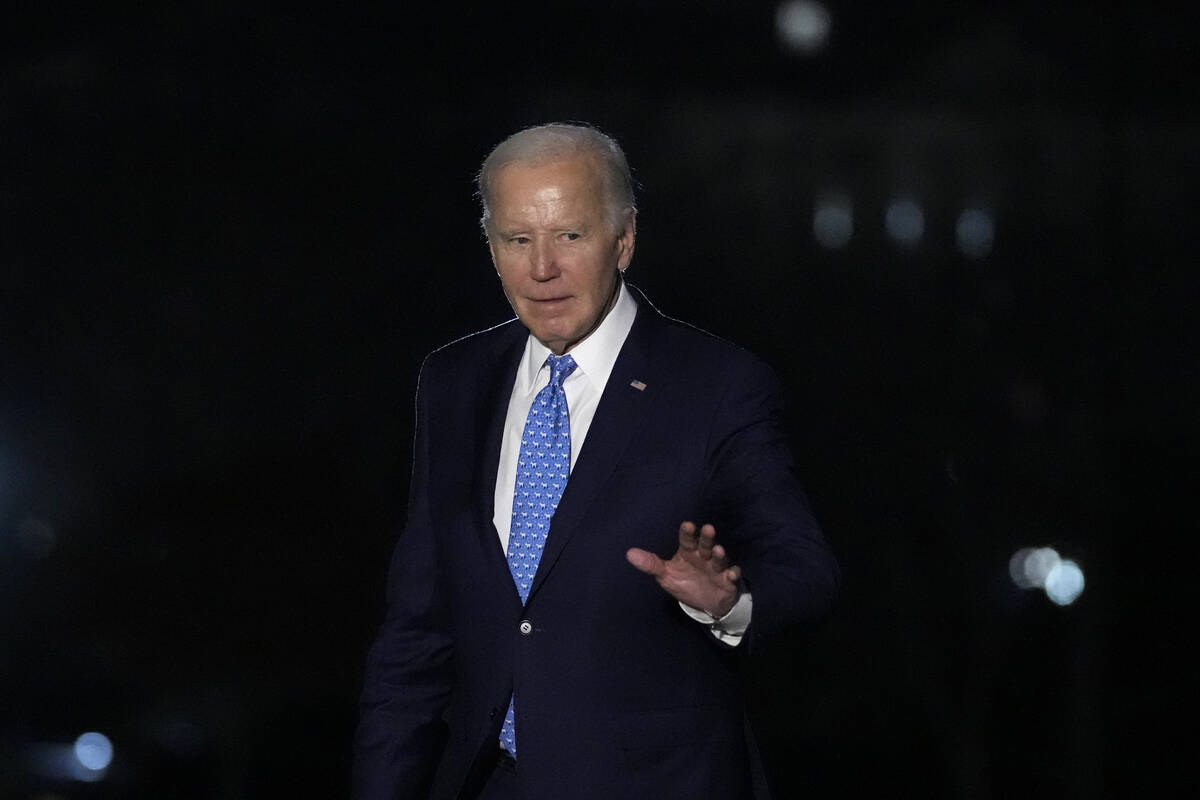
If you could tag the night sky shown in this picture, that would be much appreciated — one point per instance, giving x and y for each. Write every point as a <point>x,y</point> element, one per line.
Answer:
<point>229,232</point>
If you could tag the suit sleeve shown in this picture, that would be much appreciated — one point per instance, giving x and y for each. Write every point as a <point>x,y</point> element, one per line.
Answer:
<point>408,673</point>
<point>760,511</point>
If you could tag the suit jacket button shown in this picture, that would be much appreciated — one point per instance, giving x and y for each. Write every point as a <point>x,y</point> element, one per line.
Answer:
<point>526,627</point>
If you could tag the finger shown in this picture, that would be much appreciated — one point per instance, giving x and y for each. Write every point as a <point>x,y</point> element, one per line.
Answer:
<point>706,540</point>
<point>687,536</point>
<point>645,561</point>
<point>707,543</point>
<point>718,558</point>
<point>733,574</point>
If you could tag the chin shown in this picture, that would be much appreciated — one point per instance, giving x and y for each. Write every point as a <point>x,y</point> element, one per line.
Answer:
<point>553,337</point>
<point>555,329</point>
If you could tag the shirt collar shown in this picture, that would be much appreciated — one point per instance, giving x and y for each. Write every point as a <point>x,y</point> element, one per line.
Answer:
<point>595,355</point>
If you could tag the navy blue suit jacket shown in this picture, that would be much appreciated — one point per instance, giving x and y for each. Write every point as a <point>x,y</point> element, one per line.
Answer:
<point>618,693</point>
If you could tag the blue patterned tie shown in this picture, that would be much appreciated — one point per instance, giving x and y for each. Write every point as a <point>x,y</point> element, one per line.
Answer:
<point>542,469</point>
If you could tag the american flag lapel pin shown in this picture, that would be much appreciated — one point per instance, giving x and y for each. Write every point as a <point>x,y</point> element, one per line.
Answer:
<point>641,387</point>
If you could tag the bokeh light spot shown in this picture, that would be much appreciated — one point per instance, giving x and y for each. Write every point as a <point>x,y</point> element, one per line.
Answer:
<point>1016,568</point>
<point>833,221</point>
<point>1064,582</point>
<point>905,221</point>
<point>94,751</point>
<point>1029,566</point>
<point>1038,563</point>
<point>803,25</point>
<point>975,232</point>
<point>1043,568</point>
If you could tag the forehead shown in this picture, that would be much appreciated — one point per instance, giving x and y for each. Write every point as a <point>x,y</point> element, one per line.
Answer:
<point>576,180</point>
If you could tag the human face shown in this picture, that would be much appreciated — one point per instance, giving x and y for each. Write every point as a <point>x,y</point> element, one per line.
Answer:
<point>555,249</point>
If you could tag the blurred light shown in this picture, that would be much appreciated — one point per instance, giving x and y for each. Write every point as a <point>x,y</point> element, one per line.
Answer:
<point>66,762</point>
<point>1016,568</point>
<point>94,751</point>
<point>1029,566</point>
<point>1043,568</point>
<point>905,221</point>
<point>803,25</point>
<point>1038,564</point>
<point>1064,582</point>
<point>833,222</point>
<point>975,232</point>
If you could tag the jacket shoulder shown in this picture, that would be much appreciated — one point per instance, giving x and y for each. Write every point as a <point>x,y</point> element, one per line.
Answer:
<point>474,347</point>
<point>689,346</point>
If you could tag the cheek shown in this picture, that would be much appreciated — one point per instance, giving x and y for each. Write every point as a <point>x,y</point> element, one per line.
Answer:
<point>509,277</point>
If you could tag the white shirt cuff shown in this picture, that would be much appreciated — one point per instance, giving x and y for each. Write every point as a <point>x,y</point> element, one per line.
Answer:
<point>730,628</point>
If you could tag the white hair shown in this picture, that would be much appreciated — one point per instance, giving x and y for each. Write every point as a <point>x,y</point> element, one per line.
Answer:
<point>559,141</point>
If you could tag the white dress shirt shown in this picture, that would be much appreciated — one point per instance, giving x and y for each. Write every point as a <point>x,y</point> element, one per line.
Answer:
<point>594,357</point>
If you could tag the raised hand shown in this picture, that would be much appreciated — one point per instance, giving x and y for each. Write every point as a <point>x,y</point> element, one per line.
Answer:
<point>698,575</point>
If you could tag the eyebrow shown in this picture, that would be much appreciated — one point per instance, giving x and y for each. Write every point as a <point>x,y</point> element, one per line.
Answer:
<point>575,225</point>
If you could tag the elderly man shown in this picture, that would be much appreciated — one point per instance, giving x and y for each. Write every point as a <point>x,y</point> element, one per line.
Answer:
<point>602,523</point>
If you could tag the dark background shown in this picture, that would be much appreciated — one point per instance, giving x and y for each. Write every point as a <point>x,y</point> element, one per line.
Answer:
<point>231,230</point>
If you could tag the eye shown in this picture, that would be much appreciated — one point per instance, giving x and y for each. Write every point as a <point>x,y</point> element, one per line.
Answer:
<point>570,237</point>
<point>519,240</point>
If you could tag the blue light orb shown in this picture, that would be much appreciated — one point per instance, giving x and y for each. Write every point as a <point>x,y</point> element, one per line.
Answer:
<point>94,751</point>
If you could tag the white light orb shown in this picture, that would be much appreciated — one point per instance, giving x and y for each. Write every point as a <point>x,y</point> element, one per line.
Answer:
<point>1064,582</point>
<point>803,25</point>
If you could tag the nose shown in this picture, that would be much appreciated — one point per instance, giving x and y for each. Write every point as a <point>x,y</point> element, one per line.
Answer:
<point>541,260</point>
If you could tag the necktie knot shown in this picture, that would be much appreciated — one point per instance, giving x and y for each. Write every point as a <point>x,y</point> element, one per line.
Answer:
<point>560,368</point>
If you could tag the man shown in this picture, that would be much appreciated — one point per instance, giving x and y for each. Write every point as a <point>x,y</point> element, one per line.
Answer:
<point>602,523</point>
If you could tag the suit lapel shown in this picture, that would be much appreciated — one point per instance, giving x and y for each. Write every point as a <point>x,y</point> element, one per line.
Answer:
<point>495,383</point>
<point>621,408</point>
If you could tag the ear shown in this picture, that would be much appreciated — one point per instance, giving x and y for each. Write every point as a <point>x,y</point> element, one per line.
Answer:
<point>625,242</point>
